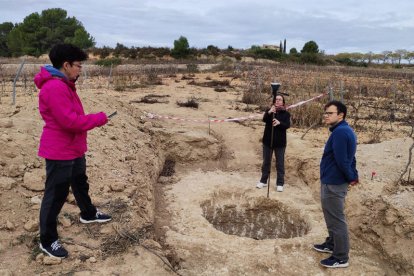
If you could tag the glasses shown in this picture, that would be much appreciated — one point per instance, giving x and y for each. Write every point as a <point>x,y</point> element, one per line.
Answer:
<point>77,65</point>
<point>329,113</point>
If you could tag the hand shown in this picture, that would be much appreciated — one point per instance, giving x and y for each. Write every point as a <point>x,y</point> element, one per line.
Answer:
<point>272,109</point>
<point>276,122</point>
<point>354,182</point>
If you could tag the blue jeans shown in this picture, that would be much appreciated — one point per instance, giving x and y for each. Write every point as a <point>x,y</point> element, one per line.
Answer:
<point>280,164</point>
<point>333,203</point>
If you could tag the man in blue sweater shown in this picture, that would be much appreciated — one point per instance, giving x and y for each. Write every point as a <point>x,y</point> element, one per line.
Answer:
<point>338,170</point>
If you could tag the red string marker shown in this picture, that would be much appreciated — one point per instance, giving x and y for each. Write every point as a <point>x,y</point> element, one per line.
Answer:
<point>373,174</point>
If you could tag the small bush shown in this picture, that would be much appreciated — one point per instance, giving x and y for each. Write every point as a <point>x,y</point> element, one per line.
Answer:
<point>307,115</point>
<point>192,68</point>
<point>108,62</point>
<point>192,102</point>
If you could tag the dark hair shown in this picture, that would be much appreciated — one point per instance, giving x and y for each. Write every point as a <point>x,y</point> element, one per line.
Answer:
<point>339,106</point>
<point>281,95</point>
<point>61,53</point>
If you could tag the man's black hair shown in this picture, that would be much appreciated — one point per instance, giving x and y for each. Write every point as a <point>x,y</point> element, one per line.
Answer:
<point>61,53</point>
<point>339,106</point>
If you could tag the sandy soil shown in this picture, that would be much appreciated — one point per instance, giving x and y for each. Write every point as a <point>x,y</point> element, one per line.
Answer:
<point>207,218</point>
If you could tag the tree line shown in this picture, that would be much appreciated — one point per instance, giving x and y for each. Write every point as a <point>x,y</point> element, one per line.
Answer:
<point>39,32</point>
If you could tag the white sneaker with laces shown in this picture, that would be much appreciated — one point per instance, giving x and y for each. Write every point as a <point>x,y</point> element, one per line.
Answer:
<point>261,185</point>
<point>279,188</point>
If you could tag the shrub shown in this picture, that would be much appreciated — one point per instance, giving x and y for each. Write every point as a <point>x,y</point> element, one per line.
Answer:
<point>192,102</point>
<point>107,62</point>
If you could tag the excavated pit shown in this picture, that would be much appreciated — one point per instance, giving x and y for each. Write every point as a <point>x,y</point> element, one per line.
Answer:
<point>258,219</point>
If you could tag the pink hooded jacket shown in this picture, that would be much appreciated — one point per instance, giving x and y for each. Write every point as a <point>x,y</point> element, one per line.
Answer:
<point>64,132</point>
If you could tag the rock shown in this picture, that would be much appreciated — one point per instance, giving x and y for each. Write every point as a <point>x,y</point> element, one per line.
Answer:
<point>390,217</point>
<point>117,187</point>
<point>39,258</point>
<point>147,125</point>
<point>31,226</point>
<point>9,225</point>
<point>106,229</point>
<point>66,222</point>
<point>5,138</point>
<point>7,183</point>
<point>71,198</point>
<point>163,179</point>
<point>5,272</point>
<point>130,157</point>
<point>82,273</point>
<point>91,260</point>
<point>6,123</point>
<point>51,260</point>
<point>15,170</point>
<point>34,181</point>
<point>36,200</point>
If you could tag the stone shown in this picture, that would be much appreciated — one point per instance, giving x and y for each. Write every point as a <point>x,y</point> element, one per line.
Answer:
<point>71,199</point>
<point>6,123</point>
<point>117,187</point>
<point>91,260</point>
<point>34,180</point>
<point>39,258</point>
<point>5,272</point>
<point>36,200</point>
<point>66,222</point>
<point>7,183</point>
<point>9,225</point>
<point>51,260</point>
<point>31,225</point>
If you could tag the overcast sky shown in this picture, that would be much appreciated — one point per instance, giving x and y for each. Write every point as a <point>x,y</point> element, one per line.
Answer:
<point>336,26</point>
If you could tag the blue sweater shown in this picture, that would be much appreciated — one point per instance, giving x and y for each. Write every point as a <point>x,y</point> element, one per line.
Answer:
<point>338,164</point>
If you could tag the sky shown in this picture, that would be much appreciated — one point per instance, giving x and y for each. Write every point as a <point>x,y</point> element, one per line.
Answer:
<point>336,26</point>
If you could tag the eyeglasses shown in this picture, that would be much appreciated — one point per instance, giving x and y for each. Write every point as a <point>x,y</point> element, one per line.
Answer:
<point>329,113</point>
<point>77,65</point>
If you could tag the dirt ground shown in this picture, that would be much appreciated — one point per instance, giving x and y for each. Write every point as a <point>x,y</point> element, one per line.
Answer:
<point>183,196</point>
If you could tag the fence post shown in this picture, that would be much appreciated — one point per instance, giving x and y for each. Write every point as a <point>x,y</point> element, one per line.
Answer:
<point>331,96</point>
<point>15,80</point>
<point>110,75</point>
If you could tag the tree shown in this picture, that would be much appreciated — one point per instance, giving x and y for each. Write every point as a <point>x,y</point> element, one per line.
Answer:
<point>81,39</point>
<point>181,48</point>
<point>409,57</point>
<point>39,32</point>
<point>293,51</point>
<point>310,47</point>
<point>5,29</point>
<point>213,50</point>
<point>386,56</point>
<point>401,54</point>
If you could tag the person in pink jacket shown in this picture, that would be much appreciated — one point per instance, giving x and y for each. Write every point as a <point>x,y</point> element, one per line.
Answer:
<point>63,144</point>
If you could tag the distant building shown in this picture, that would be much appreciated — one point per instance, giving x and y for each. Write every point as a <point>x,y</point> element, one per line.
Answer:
<point>272,47</point>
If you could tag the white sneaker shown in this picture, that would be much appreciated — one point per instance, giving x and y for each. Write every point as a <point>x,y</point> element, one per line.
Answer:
<point>261,185</point>
<point>279,188</point>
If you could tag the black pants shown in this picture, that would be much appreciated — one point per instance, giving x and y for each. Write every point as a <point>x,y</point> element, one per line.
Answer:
<point>60,174</point>
<point>280,164</point>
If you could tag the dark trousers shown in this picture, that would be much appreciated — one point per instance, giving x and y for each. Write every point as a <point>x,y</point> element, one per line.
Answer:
<point>333,204</point>
<point>280,164</point>
<point>60,174</point>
